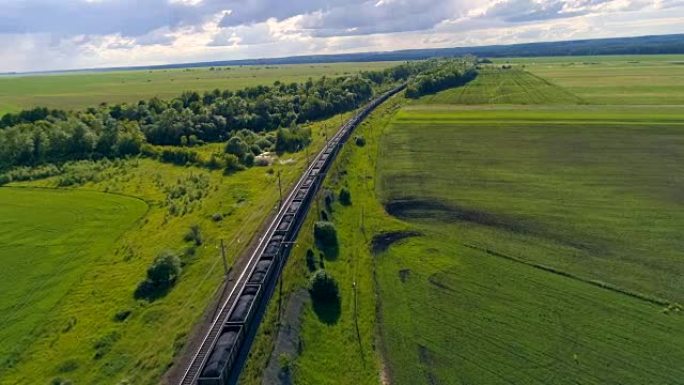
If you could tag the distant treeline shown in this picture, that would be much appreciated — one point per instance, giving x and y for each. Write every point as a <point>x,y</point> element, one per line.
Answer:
<point>41,136</point>
<point>642,45</point>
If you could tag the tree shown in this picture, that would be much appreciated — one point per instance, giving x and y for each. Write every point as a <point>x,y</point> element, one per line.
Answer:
<point>236,146</point>
<point>323,287</point>
<point>325,233</point>
<point>165,269</point>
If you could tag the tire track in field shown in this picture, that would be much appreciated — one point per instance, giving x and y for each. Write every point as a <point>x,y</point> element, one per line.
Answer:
<point>603,285</point>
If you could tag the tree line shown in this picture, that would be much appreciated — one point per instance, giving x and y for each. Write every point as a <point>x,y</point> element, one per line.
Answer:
<point>448,75</point>
<point>40,135</point>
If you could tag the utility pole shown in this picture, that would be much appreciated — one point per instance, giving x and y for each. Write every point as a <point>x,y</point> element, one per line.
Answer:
<point>223,258</point>
<point>280,190</point>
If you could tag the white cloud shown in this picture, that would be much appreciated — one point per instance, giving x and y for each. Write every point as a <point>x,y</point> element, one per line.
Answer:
<point>58,34</point>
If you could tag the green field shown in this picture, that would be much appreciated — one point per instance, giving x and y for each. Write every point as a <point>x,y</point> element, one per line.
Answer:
<point>549,246</point>
<point>49,239</point>
<point>80,90</point>
<point>75,330</point>
<point>655,80</point>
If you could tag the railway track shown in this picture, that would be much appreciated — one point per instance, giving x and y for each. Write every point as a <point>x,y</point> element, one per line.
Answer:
<point>228,339</point>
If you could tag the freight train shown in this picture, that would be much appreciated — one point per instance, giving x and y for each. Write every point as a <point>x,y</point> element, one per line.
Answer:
<point>233,338</point>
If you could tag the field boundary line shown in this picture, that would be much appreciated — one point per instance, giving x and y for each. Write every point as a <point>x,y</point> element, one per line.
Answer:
<point>603,285</point>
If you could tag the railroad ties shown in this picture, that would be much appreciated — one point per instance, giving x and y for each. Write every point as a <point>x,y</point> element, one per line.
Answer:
<point>217,360</point>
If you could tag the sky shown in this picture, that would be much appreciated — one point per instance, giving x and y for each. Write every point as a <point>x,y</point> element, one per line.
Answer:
<point>39,35</point>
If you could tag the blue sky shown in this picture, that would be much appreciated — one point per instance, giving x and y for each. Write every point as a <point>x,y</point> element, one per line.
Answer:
<point>67,34</point>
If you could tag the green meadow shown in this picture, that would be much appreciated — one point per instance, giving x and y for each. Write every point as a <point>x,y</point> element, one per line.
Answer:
<point>85,89</point>
<point>49,239</point>
<point>517,230</point>
<point>70,314</point>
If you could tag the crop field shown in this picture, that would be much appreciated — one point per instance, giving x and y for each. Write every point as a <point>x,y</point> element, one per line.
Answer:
<point>655,80</point>
<point>81,90</point>
<point>85,324</point>
<point>504,86</point>
<point>550,248</point>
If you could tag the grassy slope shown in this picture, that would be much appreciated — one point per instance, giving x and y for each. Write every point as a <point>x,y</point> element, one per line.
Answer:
<point>48,240</point>
<point>80,90</point>
<point>141,353</point>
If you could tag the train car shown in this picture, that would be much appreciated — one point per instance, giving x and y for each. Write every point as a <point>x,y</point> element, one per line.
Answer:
<point>217,368</point>
<point>245,307</point>
<point>285,225</point>
<point>263,270</point>
<point>302,194</point>
<point>273,246</point>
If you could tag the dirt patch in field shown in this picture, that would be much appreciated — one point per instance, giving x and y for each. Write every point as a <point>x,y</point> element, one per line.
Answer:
<point>382,242</point>
<point>287,343</point>
<point>447,212</point>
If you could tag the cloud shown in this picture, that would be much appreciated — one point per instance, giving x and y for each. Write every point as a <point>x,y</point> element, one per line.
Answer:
<point>57,34</point>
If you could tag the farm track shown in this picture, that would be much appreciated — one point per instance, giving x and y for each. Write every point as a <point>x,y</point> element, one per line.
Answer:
<point>548,269</point>
<point>240,274</point>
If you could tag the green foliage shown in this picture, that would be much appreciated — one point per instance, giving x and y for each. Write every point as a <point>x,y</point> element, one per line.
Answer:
<point>39,136</point>
<point>292,139</point>
<point>325,233</point>
<point>237,147</point>
<point>345,196</point>
<point>104,344</point>
<point>232,164</point>
<point>161,276</point>
<point>360,140</point>
<point>194,235</point>
<point>323,287</point>
<point>449,74</point>
<point>310,260</point>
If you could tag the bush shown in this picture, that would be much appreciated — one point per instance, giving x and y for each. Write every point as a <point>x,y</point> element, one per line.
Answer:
<point>165,269</point>
<point>236,146</point>
<point>345,196</point>
<point>232,164</point>
<point>217,217</point>
<point>323,287</point>
<point>310,260</point>
<point>194,235</point>
<point>360,141</point>
<point>163,273</point>
<point>325,234</point>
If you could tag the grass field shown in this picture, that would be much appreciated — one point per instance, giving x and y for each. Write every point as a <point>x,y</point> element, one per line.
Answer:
<point>655,80</point>
<point>49,239</point>
<point>549,249</point>
<point>77,332</point>
<point>80,90</point>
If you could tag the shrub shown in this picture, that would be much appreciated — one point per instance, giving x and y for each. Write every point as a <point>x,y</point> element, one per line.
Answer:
<point>310,260</point>
<point>194,235</point>
<point>163,273</point>
<point>122,315</point>
<point>232,164</point>
<point>165,269</point>
<point>323,287</point>
<point>285,362</point>
<point>325,233</point>
<point>345,196</point>
<point>360,141</point>
<point>217,217</point>
<point>236,146</point>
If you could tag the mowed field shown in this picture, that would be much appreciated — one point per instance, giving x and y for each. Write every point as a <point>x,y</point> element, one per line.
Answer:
<point>49,238</point>
<point>80,90</point>
<point>551,246</point>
